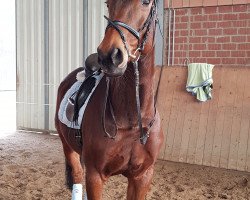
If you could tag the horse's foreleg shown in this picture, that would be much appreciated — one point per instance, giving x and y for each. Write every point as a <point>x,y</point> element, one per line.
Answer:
<point>138,188</point>
<point>75,172</point>
<point>94,185</point>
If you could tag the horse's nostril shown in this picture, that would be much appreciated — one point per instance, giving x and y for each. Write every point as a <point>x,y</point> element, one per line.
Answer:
<point>112,58</point>
<point>116,56</point>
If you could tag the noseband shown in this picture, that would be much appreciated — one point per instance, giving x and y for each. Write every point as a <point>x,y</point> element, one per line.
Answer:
<point>140,47</point>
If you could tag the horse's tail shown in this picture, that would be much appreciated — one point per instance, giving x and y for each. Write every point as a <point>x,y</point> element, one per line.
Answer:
<point>68,175</point>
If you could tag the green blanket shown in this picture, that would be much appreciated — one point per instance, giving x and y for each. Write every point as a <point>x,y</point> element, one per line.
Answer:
<point>200,81</point>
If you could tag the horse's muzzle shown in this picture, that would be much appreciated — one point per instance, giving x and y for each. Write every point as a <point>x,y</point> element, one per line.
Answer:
<point>112,62</point>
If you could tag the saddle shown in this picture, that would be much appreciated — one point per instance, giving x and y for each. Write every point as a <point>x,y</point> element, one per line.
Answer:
<point>75,100</point>
<point>78,98</point>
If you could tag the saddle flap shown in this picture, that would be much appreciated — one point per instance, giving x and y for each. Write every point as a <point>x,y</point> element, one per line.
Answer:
<point>82,95</point>
<point>70,112</point>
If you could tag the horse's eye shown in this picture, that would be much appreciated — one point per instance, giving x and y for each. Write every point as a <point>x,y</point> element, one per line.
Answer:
<point>145,2</point>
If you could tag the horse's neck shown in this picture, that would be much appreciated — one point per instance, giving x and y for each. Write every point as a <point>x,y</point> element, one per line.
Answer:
<point>123,95</point>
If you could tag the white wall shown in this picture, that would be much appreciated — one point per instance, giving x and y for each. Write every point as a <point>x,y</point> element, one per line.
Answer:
<point>7,68</point>
<point>50,44</point>
<point>7,45</point>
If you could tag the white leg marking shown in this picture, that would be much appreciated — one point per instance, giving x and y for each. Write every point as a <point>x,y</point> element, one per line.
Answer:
<point>77,192</point>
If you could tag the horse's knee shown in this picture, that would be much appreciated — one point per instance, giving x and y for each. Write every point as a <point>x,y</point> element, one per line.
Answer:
<point>94,178</point>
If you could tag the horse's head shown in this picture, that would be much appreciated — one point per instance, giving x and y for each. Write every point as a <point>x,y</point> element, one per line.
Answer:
<point>127,32</point>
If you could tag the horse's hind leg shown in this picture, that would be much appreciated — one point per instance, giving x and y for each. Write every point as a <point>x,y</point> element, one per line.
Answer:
<point>74,171</point>
<point>138,188</point>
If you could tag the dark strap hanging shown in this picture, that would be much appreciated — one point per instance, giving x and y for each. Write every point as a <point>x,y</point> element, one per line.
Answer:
<point>107,100</point>
<point>138,104</point>
<point>144,135</point>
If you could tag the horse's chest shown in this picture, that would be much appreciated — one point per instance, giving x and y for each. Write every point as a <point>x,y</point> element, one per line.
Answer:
<point>130,160</point>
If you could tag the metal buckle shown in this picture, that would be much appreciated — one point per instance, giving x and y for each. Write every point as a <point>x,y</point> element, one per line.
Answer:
<point>134,56</point>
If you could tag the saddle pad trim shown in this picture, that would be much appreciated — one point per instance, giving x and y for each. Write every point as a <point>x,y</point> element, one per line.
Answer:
<point>62,110</point>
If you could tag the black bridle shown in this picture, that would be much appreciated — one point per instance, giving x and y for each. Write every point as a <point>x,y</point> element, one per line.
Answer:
<point>137,34</point>
<point>140,47</point>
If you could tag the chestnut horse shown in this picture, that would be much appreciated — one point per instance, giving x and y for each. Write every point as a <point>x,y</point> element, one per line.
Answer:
<point>127,139</point>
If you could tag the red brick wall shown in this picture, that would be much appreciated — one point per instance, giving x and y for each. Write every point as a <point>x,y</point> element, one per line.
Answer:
<point>196,3</point>
<point>217,35</point>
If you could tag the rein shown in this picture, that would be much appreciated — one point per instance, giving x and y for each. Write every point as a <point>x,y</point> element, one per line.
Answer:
<point>116,25</point>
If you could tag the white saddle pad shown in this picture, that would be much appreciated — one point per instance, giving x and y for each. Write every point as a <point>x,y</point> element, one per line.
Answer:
<point>74,88</point>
